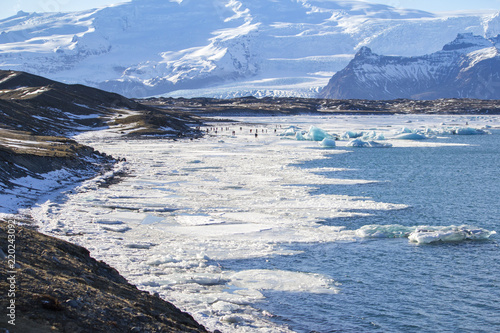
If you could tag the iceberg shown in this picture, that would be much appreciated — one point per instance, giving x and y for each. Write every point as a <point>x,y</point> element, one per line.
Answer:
<point>299,136</point>
<point>468,131</point>
<point>317,134</point>
<point>352,135</point>
<point>290,131</point>
<point>384,231</point>
<point>367,144</point>
<point>373,135</point>
<point>327,143</point>
<point>410,136</point>
<point>427,235</point>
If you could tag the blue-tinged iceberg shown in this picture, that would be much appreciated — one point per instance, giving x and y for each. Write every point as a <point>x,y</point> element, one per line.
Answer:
<point>358,143</point>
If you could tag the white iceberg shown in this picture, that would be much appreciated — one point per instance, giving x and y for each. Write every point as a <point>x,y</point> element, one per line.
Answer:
<point>468,131</point>
<point>290,131</point>
<point>426,235</point>
<point>352,135</point>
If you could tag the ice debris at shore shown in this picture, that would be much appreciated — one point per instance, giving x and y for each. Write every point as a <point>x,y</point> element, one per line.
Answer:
<point>425,234</point>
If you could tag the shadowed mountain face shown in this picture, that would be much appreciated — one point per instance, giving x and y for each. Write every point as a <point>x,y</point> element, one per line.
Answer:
<point>468,67</point>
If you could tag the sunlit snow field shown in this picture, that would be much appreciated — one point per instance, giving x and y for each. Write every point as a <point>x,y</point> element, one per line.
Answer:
<point>274,234</point>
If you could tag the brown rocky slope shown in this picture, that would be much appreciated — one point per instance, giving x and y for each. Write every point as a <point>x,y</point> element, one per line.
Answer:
<point>57,287</point>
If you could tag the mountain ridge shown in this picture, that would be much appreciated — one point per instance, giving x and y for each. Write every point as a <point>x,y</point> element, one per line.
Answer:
<point>467,67</point>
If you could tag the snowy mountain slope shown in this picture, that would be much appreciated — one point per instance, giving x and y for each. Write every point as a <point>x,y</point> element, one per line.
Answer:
<point>151,47</point>
<point>468,67</point>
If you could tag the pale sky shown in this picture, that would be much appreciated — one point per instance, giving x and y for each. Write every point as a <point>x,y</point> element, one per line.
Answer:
<point>11,7</point>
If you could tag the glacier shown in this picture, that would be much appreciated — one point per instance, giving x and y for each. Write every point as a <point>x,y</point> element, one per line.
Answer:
<point>261,48</point>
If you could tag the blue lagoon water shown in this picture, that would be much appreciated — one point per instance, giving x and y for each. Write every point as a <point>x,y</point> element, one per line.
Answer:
<point>392,285</point>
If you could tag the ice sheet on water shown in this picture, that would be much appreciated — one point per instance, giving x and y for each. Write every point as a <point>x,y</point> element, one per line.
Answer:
<point>263,279</point>
<point>425,234</point>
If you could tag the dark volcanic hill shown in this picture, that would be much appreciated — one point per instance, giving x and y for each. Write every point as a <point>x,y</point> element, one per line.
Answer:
<point>468,67</point>
<point>45,107</point>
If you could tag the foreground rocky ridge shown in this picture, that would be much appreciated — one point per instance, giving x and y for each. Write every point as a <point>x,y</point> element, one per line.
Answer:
<point>59,288</point>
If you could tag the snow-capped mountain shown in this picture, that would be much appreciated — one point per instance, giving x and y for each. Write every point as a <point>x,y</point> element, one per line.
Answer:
<point>227,47</point>
<point>468,67</point>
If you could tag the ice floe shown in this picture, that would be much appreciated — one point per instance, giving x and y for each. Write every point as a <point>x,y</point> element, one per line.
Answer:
<point>425,234</point>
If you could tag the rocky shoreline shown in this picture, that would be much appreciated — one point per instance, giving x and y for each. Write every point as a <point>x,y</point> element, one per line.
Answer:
<point>51,285</point>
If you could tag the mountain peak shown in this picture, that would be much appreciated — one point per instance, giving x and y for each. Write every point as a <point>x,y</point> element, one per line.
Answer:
<point>364,52</point>
<point>466,41</point>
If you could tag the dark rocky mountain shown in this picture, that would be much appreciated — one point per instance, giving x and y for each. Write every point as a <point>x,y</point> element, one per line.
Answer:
<point>44,107</point>
<point>468,67</point>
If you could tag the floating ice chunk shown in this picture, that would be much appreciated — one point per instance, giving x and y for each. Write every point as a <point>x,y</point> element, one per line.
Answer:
<point>367,144</point>
<point>468,131</point>
<point>109,222</point>
<point>159,260</point>
<point>317,134</point>
<point>290,131</point>
<point>410,136</point>
<point>143,245</point>
<point>352,135</point>
<point>426,235</point>
<point>208,280</point>
<point>327,143</point>
<point>404,130</point>
<point>299,136</point>
<point>384,231</point>
<point>113,228</point>
<point>373,135</point>
<point>262,279</point>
